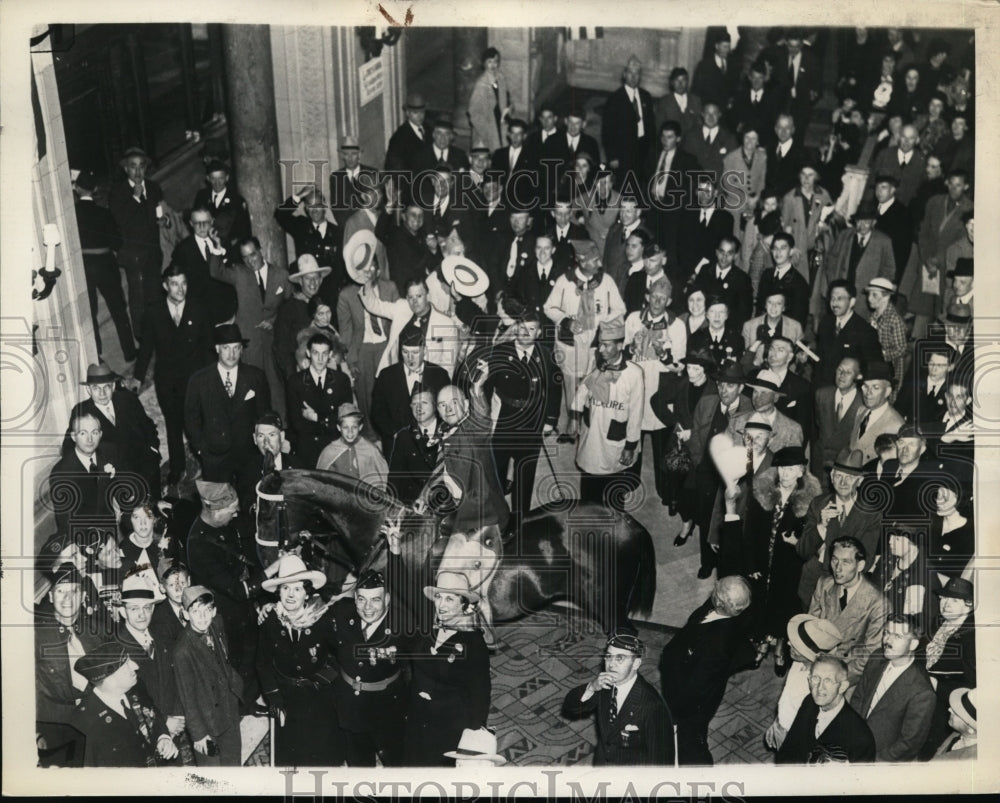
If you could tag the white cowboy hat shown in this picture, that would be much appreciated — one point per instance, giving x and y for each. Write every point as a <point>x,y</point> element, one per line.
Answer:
<point>452,583</point>
<point>305,266</point>
<point>481,744</point>
<point>291,569</point>
<point>359,253</point>
<point>465,276</point>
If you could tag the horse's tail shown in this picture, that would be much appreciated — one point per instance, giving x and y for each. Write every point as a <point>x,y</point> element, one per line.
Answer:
<point>644,587</point>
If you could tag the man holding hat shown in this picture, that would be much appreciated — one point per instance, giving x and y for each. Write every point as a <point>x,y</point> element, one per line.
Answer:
<point>696,664</point>
<point>232,216</point>
<point>859,255</point>
<point>353,455</point>
<point>371,687</point>
<point>634,726</point>
<point>293,315</point>
<point>136,203</point>
<point>877,415</point>
<point>98,240</point>
<point>125,424</point>
<point>835,515</point>
<point>223,402</point>
<point>611,400</point>
<point>349,183</point>
<point>210,690</point>
<point>118,720</point>
<point>407,141</point>
<point>63,633</point>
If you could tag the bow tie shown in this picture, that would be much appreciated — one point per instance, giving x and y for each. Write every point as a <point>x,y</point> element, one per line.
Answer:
<point>608,367</point>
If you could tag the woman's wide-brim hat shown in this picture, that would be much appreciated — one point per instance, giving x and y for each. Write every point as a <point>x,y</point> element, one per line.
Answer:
<point>359,253</point>
<point>292,569</point>
<point>465,276</point>
<point>452,583</point>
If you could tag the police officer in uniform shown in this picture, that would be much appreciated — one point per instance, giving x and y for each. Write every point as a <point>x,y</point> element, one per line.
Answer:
<point>371,688</point>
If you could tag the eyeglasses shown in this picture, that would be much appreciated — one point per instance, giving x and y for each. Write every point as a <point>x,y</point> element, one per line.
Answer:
<point>616,659</point>
<point>826,683</point>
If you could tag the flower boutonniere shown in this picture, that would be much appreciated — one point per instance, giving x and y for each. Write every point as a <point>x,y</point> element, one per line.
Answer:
<point>109,469</point>
<point>164,543</point>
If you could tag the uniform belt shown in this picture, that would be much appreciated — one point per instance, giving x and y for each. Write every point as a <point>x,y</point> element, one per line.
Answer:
<point>95,251</point>
<point>315,682</point>
<point>379,685</point>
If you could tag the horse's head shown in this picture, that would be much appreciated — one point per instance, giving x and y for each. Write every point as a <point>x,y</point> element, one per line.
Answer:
<point>475,554</point>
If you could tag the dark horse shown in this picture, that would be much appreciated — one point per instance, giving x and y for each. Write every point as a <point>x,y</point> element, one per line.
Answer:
<point>599,559</point>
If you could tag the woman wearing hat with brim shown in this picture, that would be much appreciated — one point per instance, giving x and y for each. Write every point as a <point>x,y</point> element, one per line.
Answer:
<point>296,663</point>
<point>450,688</point>
<point>775,519</point>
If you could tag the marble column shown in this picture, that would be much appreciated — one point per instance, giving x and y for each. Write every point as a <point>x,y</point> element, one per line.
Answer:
<point>469,46</point>
<point>254,130</point>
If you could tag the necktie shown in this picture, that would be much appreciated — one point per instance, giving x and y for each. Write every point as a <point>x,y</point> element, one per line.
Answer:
<point>931,390</point>
<point>899,476</point>
<point>426,433</point>
<point>260,285</point>
<point>142,196</point>
<point>838,326</point>
<point>93,465</point>
<point>864,424</point>
<point>354,461</point>
<point>840,409</point>
<point>376,326</point>
<point>109,411</point>
<point>209,642</point>
<point>718,275</point>
<point>704,217</point>
<point>229,384</point>
<point>203,247</point>
<point>840,519</point>
<point>635,106</point>
<point>216,197</point>
<point>524,358</point>
<point>175,314</point>
<point>613,708</point>
<point>791,70</point>
<point>420,133</point>
<point>708,136</point>
<point>843,599</point>
<point>861,241</point>
<point>543,276</point>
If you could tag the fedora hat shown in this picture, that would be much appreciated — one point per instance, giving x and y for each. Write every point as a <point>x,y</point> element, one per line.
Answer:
<point>464,275</point>
<point>452,583</point>
<point>758,421</point>
<point>850,461</point>
<point>138,586</point>
<point>789,456</point>
<point>349,143</point>
<point>866,211</point>
<point>811,635</point>
<point>878,283</point>
<point>702,358</point>
<point>348,409</point>
<point>99,373</point>
<point>480,743</point>
<point>957,313</point>
<point>963,702</point>
<point>765,380</point>
<point>732,373</point>
<point>359,253</point>
<point>957,587</point>
<point>292,569</point>
<point>415,101</point>
<point>228,333</point>
<point>964,266</point>
<point>306,265</point>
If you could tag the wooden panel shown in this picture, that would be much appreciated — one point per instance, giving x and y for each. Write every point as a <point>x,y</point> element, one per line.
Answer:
<point>598,63</point>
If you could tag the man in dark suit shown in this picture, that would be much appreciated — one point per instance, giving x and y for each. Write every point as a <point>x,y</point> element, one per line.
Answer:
<point>785,158</point>
<point>232,217</point>
<point>756,107</point>
<point>843,735</point>
<point>904,163</point>
<point>724,280</point>
<point>349,183</point>
<point>534,282</point>
<point>802,77</point>
<point>371,688</point>
<point>408,141</point>
<point>709,143</point>
<point>843,333</point>
<point>634,726</point>
<point>714,78</point>
<point>894,694</point>
<point>525,379</point>
<point>415,447</point>
<point>168,622</point>
<point>630,221</point>
<point>836,408</point>
<point>513,252</point>
<point>699,231</point>
<point>577,141</point>
<point>98,241</point>
<point>628,123</point>
<point>314,394</point>
<point>396,383</point>
<point>179,334</point>
<point>406,247</point>
<point>125,426</point>
<point>667,179</point>
<point>136,205</point>
<point>563,231</point>
<point>515,159</point>
<point>195,255</point>
<point>315,232</point>
<point>440,149</point>
<point>547,150</point>
<point>921,397</point>
<point>698,660</point>
<point>785,279</point>
<point>795,394</point>
<point>222,403</point>
<point>894,220</point>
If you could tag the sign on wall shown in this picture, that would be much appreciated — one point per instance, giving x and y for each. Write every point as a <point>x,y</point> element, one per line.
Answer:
<point>371,77</point>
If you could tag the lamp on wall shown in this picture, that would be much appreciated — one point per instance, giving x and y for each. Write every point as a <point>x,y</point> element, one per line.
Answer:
<point>374,39</point>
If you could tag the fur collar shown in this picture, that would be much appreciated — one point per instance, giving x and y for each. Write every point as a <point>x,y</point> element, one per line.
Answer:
<point>765,491</point>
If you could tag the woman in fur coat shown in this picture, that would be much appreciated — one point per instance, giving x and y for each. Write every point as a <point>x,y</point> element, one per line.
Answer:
<point>775,518</point>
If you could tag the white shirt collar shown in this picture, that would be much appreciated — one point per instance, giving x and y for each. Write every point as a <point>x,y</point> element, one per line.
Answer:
<point>528,352</point>
<point>317,378</point>
<point>846,397</point>
<point>624,689</point>
<point>231,371</point>
<point>824,718</point>
<point>84,460</point>
<point>783,147</point>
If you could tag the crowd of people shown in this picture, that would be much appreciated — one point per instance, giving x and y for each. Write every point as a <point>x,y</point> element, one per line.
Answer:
<point>801,364</point>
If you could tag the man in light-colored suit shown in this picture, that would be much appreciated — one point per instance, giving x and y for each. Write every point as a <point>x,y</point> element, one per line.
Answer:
<point>858,255</point>
<point>806,229</point>
<point>784,431</point>
<point>745,169</point>
<point>878,415</point>
<point>678,104</point>
<point>852,602</point>
<point>832,516</point>
<point>602,211</point>
<point>837,407</point>
<point>894,694</point>
<point>260,289</point>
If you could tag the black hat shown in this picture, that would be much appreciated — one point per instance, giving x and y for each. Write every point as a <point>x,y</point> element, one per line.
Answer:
<point>850,462</point>
<point>907,531</point>
<point>877,369</point>
<point>216,166</point>
<point>957,587</point>
<point>731,372</point>
<point>866,211</point>
<point>626,639</point>
<point>885,178</point>
<point>270,419</point>
<point>700,357</point>
<point>102,661</point>
<point>228,333</point>
<point>789,456</point>
<point>99,373</point>
<point>412,338</point>
<point>371,579</point>
<point>66,573</point>
<point>86,180</point>
<point>963,265</point>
